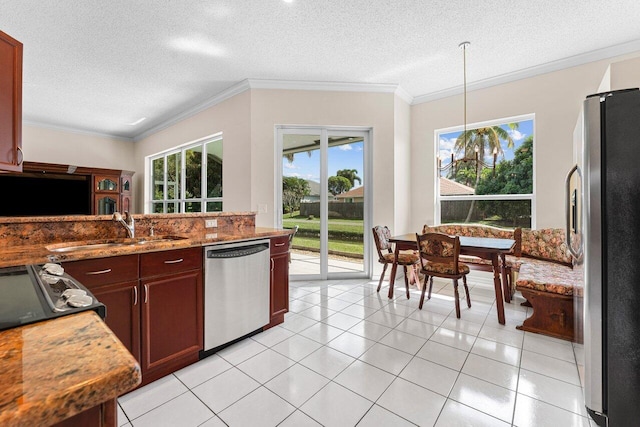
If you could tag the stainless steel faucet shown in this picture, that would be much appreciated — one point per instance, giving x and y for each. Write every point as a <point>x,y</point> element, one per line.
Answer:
<point>127,222</point>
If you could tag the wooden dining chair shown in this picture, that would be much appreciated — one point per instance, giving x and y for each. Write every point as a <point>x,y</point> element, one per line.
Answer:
<point>386,255</point>
<point>439,255</point>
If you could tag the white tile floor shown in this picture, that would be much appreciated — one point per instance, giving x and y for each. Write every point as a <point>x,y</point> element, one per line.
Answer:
<point>348,356</point>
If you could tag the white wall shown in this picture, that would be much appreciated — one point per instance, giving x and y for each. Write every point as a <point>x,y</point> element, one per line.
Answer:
<point>45,145</point>
<point>555,99</point>
<point>402,192</point>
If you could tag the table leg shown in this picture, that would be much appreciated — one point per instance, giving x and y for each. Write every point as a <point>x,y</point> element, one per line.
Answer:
<point>394,268</point>
<point>498,288</point>
<point>505,282</point>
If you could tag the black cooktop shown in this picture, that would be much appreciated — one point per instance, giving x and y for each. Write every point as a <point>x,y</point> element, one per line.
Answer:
<point>31,293</point>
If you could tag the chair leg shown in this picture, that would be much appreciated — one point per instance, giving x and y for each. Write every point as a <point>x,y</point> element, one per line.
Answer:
<point>430,286</point>
<point>457,297</point>
<point>406,280</point>
<point>466,290</point>
<point>424,288</point>
<point>384,269</point>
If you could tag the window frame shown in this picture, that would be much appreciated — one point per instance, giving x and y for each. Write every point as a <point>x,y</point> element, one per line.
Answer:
<point>181,202</point>
<point>496,197</point>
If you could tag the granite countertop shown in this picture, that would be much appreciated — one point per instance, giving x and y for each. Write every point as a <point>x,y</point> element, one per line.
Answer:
<point>39,254</point>
<point>55,369</point>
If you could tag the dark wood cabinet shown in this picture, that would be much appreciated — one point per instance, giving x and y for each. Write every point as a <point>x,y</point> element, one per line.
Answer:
<point>11,156</point>
<point>279,298</point>
<point>103,415</point>
<point>172,311</point>
<point>123,312</point>
<point>114,281</point>
<point>154,305</point>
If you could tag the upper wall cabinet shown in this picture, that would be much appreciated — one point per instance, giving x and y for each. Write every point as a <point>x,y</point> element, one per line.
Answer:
<point>10,104</point>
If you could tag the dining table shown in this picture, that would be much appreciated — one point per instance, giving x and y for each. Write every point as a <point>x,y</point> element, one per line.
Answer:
<point>489,248</point>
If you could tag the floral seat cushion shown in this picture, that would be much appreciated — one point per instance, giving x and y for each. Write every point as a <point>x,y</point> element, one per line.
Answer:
<point>442,268</point>
<point>404,258</point>
<point>550,277</point>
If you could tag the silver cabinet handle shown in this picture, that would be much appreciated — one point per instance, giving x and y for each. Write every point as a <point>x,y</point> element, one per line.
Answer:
<point>277,245</point>
<point>146,294</point>
<point>135,295</point>
<point>93,273</point>
<point>21,155</point>
<point>175,261</point>
<point>272,264</point>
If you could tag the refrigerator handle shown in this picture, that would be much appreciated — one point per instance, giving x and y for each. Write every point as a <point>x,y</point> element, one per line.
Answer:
<point>577,254</point>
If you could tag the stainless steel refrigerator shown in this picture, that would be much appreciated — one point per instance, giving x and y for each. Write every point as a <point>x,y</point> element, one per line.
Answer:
<point>603,221</point>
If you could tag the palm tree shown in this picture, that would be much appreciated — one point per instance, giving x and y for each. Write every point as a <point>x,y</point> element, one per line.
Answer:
<point>351,175</point>
<point>483,141</point>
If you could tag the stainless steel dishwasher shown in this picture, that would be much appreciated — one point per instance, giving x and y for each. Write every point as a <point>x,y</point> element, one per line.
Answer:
<point>236,291</point>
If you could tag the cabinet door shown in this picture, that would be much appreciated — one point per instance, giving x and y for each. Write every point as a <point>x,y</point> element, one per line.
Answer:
<point>171,319</point>
<point>279,298</point>
<point>10,103</point>
<point>279,287</point>
<point>123,313</point>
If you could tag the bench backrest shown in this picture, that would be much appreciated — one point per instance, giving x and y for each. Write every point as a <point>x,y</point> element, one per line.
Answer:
<point>547,244</point>
<point>477,230</point>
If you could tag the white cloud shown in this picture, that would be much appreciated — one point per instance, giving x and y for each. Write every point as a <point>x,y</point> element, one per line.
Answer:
<point>288,165</point>
<point>345,147</point>
<point>516,135</point>
<point>294,174</point>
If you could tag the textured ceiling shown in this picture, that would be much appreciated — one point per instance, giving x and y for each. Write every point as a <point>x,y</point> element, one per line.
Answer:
<point>98,66</point>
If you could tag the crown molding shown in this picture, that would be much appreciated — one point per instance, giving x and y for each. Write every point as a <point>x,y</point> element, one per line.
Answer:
<point>323,86</point>
<point>45,125</point>
<point>232,91</point>
<point>572,61</point>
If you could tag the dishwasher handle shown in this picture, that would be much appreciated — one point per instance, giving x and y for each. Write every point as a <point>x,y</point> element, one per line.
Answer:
<point>236,252</point>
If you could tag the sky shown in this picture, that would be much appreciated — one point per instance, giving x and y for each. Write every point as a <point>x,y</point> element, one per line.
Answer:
<point>346,156</point>
<point>446,142</point>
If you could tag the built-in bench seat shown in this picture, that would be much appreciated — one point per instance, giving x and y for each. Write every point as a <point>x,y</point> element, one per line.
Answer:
<point>554,292</point>
<point>552,287</point>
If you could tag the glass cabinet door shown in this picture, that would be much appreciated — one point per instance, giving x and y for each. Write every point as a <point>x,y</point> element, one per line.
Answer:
<point>106,184</point>
<point>106,205</point>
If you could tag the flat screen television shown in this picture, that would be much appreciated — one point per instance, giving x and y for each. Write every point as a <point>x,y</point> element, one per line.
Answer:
<point>43,194</point>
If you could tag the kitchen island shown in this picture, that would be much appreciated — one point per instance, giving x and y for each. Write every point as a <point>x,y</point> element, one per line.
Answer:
<point>56,369</point>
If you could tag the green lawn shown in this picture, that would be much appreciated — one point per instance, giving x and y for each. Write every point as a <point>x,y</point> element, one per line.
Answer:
<point>337,246</point>
<point>345,235</point>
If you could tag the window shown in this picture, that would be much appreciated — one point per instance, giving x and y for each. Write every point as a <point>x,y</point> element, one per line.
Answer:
<point>497,188</point>
<point>188,179</point>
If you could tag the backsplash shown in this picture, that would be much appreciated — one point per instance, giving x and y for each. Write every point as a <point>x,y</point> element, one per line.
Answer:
<point>19,231</point>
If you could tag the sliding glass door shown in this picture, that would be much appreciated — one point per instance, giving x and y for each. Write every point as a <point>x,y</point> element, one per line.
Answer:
<point>324,174</point>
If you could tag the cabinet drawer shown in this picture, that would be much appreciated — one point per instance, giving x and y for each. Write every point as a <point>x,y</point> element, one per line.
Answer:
<point>279,244</point>
<point>104,271</point>
<point>168,262</point>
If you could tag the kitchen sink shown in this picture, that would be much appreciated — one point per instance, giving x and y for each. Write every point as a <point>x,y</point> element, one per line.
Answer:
<point>109,243</point>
